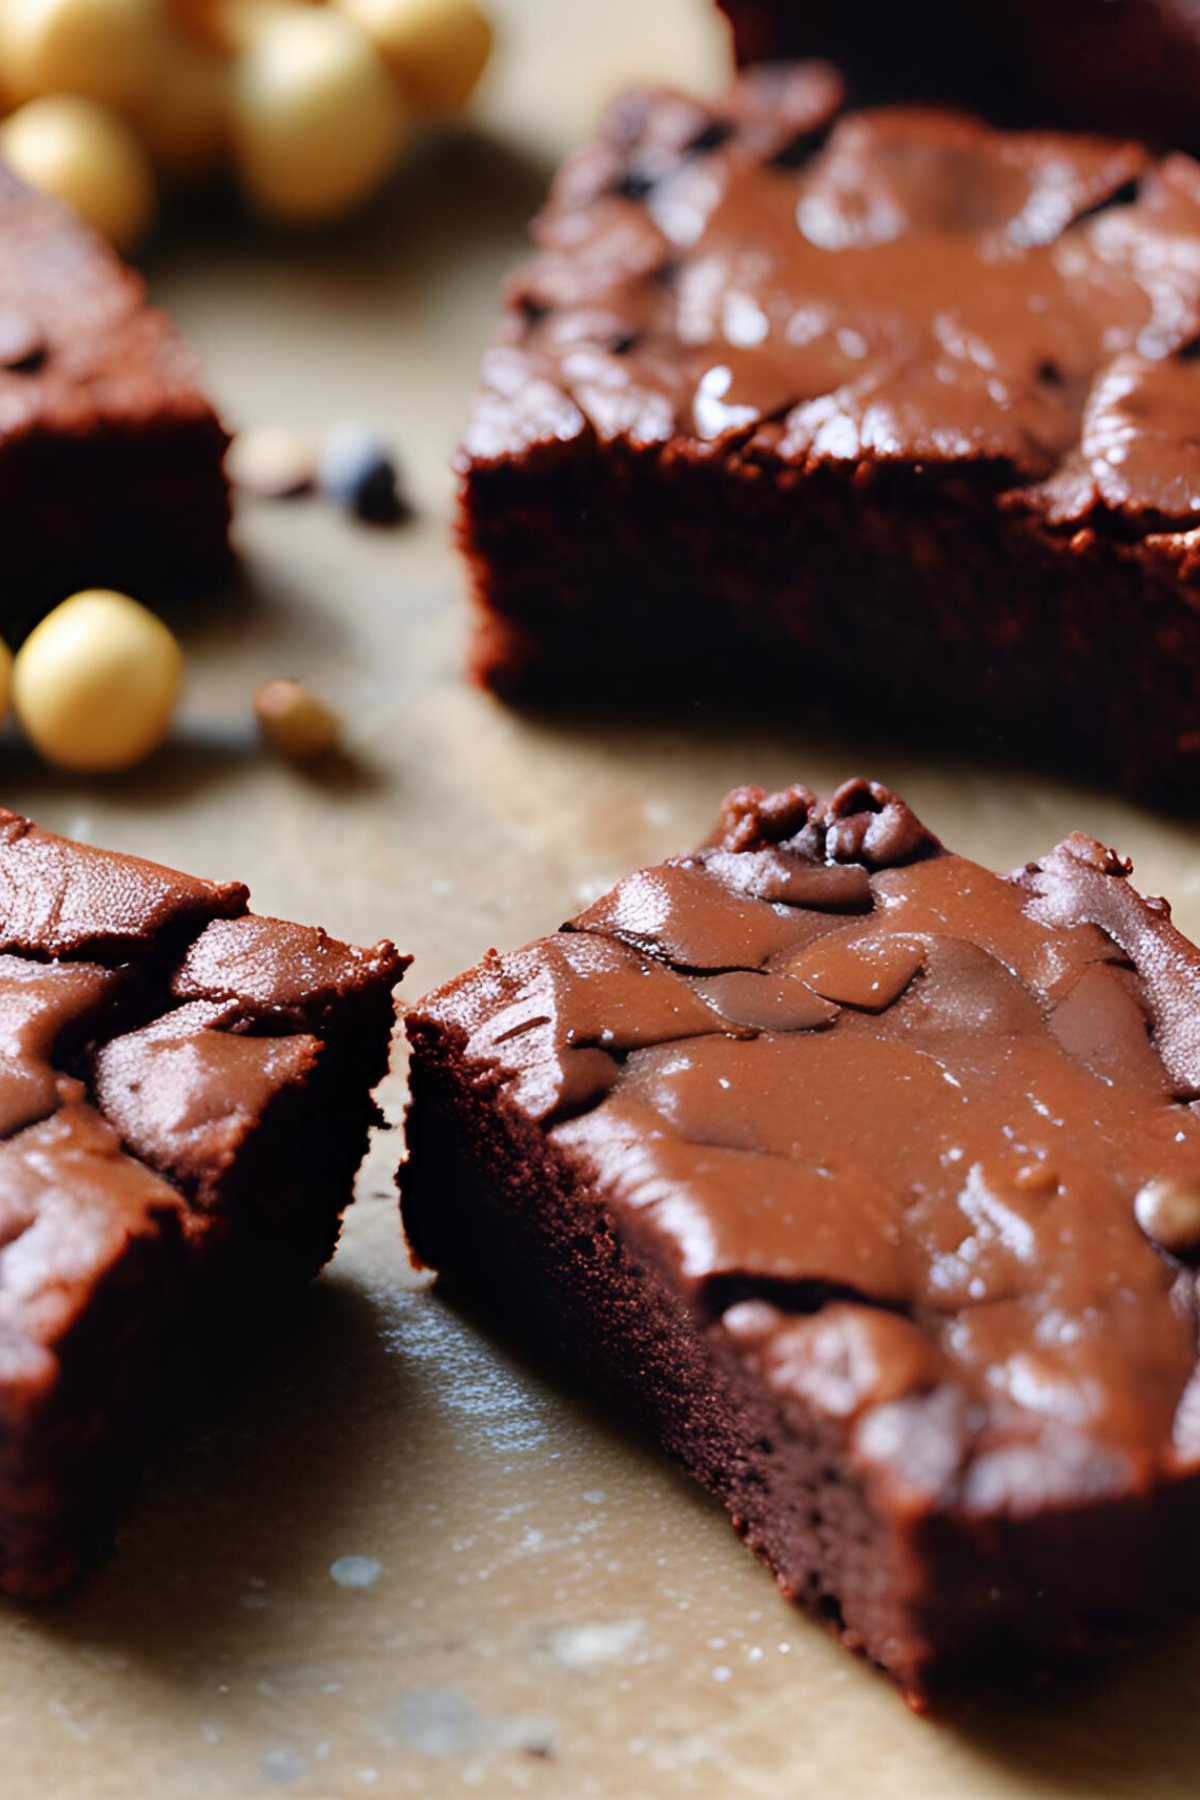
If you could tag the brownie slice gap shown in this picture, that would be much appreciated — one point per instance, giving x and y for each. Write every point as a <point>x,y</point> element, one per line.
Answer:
<point>1131,67</point>
<point>794,403</point>
<point>869,1181</point>
<point>185,1098</point>
<point>111,456</point>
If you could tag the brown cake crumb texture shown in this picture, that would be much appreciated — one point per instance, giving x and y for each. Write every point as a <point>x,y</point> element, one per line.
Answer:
<point>824,409</point>
<point>185,1096</point>
<point>839,1161</point>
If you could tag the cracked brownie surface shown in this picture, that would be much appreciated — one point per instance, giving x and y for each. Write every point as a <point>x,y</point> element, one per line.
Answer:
<point>185,1095</point>
<point>793,401</point>
<point>905,1154</point>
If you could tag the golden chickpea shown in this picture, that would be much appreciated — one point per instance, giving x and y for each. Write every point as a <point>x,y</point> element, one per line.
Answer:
<point>83,154</point>
<point>294,722</point>
<point>317,121</point>
<point>229,26</point>
<point>1169,1214</point>
<point>6,667</point>
<point>95,684</point>
<point>182,117</point>
<point>101,48</point>
<point>437,49</point>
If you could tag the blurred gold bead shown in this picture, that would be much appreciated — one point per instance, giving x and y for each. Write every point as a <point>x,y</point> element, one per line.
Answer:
<point>103,49</point>
<point>437,49</point>
<point>228,26</point>
<point>95,684</point>
<point>6,669</point>
<point>294,722</point>
<point>317,121</point>
<point>182,117</point>
<point>85,155</point>
<point>1169,1214</point>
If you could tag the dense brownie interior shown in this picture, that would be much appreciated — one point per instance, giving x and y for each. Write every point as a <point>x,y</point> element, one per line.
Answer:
<point>185,1095</point>
<point>872,1180</point>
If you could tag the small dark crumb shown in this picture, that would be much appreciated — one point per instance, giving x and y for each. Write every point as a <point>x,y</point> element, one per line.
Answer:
<point>633,184</point>
<point>799,151</point>
<point>544,1752</point>
<point>624,342</point>
<point>1049,372</point>
<point>531,309</point>
<point>1127,194</point>
<point>356,469</point>
<point>713,135</point>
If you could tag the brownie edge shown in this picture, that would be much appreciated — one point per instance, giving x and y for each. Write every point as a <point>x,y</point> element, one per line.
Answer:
<point>186,1091</point>
<point>869,1182</point>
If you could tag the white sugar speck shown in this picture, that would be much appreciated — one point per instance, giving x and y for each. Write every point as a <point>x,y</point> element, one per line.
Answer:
<point>583,1648</point>
<point>721,1673</point>
<point>356,1571</point>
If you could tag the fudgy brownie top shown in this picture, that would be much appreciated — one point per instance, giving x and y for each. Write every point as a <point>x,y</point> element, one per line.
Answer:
<point>79,346</point>
<point>921,1140</point>
<point>148,1023</point>
<point>768,278</point>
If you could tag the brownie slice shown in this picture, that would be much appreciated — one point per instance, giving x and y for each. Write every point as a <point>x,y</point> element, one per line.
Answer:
<point>870,1181</point>
<point>794,404</point>
<point>111,456</point>
<point>185,1097</point>
<point>1130,67</point>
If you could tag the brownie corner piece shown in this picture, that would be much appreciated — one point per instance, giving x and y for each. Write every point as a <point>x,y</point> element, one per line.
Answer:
<point>111,451</point>
<point>795,400</point>
<point>869,1181</point>
<point>185,1098</point>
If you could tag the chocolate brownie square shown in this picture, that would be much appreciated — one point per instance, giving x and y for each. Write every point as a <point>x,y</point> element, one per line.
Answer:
<point>869,1181</point>
<point>185,1097</point>
<point>111,456</point>
<point>879,414</point>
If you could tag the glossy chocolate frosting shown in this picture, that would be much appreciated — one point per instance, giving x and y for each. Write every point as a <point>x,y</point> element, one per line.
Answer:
<point>148,1026</point>
<point>772,278</point>
<point>919,1140</point>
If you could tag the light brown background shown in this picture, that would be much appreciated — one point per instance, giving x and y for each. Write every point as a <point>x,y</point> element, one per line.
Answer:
<point>557,1613</point>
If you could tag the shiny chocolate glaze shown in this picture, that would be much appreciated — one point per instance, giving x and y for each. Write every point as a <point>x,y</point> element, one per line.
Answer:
<point>918,1140</point>
<point>148,1026</point>
<point>771,275</point>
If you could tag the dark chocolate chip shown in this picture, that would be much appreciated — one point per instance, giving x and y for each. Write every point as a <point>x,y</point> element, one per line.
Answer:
<point>1049,372</point>
<point>532,310</point>
<point>355,468</point>
<point>713,135</point>
<point>1128,194</point>
<point>624,342</point>
<point>633,184</point>
<point>799,151</point>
